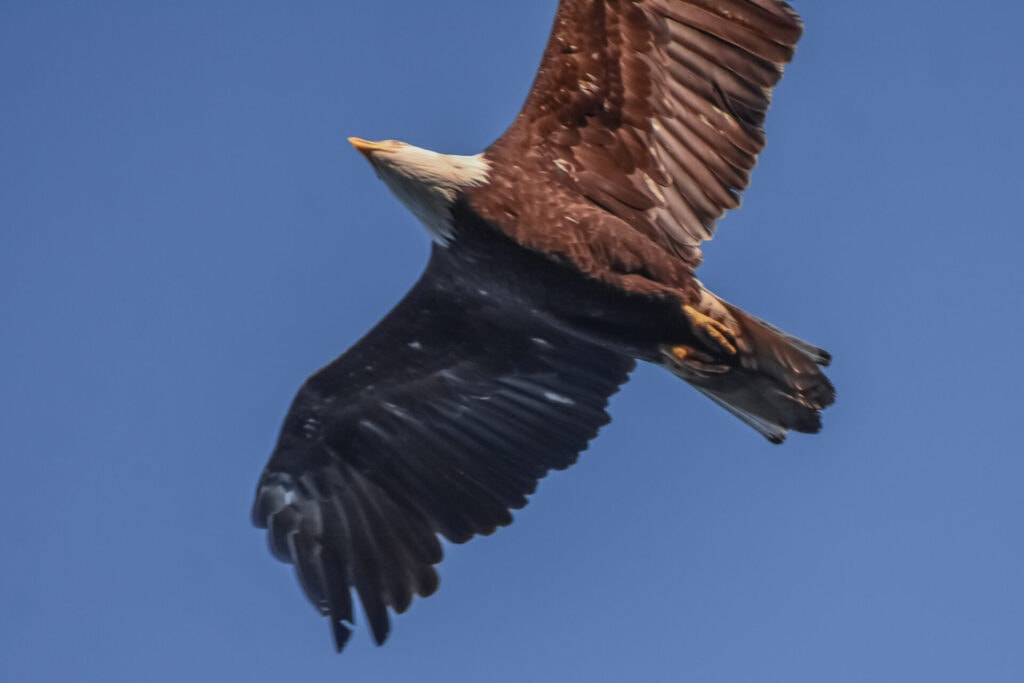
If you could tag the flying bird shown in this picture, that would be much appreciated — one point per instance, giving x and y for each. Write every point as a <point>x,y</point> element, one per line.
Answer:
<point>561,255</point>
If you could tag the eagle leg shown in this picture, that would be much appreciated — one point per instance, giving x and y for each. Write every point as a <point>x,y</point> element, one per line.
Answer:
<point>711,331</point>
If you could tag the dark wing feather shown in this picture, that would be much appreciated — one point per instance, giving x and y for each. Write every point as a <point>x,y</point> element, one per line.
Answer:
<point>653,109</point>
<point>439,421</point>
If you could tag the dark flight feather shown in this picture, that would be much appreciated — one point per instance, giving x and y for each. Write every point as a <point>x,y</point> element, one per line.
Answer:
<point>439,421</point>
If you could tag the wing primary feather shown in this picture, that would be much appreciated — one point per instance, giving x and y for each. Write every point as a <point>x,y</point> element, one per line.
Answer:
<point>305,552</point>
<point>391,561</point>
<point>365,568</point>
<point>339,601</point>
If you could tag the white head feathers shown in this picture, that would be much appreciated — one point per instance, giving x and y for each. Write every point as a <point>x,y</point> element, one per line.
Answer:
<point>426,182</point>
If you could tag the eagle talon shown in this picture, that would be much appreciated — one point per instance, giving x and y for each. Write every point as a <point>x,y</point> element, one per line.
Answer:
<point>694,360</point>
<point>711,331</point>
<point>689,354</point>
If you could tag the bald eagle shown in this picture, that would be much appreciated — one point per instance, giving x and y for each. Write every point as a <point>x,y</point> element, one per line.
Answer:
<point>561,255</point>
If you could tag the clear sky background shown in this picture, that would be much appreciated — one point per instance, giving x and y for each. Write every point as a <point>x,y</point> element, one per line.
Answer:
<point>185,235</point>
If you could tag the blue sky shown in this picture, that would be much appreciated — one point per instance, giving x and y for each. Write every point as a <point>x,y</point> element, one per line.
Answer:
<point>185,235</point>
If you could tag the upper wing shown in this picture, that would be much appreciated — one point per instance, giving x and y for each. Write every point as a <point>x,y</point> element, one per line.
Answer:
<point>653,109</point>
<point>439,421</point>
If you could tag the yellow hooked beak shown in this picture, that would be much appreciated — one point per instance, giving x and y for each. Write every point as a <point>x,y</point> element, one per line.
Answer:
<point>366,147</point>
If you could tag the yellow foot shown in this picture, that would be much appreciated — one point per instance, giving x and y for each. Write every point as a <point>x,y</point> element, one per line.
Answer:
<point>682,352</point>
<point>711,331</point>
<point>692,359</point>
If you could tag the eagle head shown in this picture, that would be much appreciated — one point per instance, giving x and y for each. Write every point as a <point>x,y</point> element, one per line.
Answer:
<point>427,182</point>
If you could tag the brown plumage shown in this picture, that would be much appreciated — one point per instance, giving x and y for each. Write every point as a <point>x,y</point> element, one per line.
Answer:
<point>651,110</point>
<point>564,253</point>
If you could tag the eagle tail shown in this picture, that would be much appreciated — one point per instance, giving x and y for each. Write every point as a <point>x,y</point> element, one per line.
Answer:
<point>774,382</point>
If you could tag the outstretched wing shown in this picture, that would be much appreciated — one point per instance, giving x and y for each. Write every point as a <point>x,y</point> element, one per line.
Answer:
<point>653,109</point>
<point>439,421</point>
